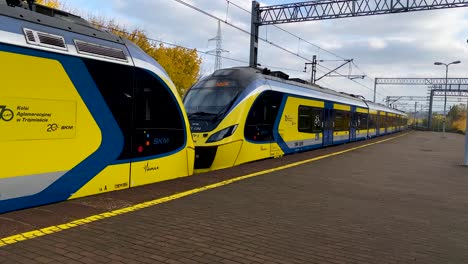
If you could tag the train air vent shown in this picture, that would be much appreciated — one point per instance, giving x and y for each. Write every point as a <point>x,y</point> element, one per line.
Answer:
<point>30,36</point>
<point>45,39</point>
<point>99,50</point>
<point>51,40</point>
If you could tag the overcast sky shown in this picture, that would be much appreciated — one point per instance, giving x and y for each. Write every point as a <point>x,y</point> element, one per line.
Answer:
<point>396,45</point>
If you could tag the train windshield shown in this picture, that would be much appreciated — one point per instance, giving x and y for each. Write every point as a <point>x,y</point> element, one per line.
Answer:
<point>211,98</point>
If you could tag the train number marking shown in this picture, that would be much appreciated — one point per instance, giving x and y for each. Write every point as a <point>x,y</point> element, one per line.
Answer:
<point>52,127</point>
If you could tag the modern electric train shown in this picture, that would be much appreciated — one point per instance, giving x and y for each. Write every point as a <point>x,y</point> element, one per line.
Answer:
<point>243,114</point>
<point>82,111</point>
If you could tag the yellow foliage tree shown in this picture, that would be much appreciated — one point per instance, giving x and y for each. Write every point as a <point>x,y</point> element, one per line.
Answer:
<point>50,3</point>
<point>460,123</point>
<point>457,118</point>
<point>182,64</point>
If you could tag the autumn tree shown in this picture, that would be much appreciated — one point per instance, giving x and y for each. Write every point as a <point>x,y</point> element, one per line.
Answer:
<point>182,64</point>
<point>50,3</point>
<point>456,118</point>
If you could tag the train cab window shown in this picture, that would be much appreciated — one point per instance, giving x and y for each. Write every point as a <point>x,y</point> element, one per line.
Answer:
<point>262,116</point>
<point>310,119</point>
<point>342,120</point>
<point>159,127</point>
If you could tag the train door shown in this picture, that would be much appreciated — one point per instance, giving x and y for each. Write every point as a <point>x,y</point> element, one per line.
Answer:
<point>260,124</point>
<point>386,122</point>
<point>377,123</point>
<point>328,124</point>
<point>353,125</point>
<point>158,132</point>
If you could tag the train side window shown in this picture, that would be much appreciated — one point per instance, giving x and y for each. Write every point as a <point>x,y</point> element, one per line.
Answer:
<point>342,120</point>
<point>158,123</point>
<point>362,121</point>
<point>310,119</point>
<point>372,121</point>
<point>262,117</point>
<point>382,121</point>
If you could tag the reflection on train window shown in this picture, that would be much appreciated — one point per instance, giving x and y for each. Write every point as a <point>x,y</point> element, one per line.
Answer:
<point>309,119</point>
<point>361,121</point>
<point>211,97</point>
<point>262,116</point>
<point>342,120</point>
<point>382,121</point>
<point>115,82</point>
<point>372,121</point>
<point>158,121</point>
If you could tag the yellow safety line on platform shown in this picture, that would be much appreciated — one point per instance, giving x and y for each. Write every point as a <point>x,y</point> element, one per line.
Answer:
<point>54,229</point>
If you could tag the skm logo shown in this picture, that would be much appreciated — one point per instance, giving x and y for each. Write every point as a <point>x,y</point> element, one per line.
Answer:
<point>161,141</point>
<point>5,113</point>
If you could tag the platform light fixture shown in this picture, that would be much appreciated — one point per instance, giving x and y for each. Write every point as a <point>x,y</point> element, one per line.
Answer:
<point>446,82</point>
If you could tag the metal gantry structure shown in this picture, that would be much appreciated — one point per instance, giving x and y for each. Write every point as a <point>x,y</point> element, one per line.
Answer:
<point>458,88</point>
<point>457,82</point>
<point>390,100</point>
<point>333,9</point>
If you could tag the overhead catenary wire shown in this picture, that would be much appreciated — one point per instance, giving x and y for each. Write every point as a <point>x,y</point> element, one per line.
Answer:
<point>240,29</point>
<point>290,33</point>
<point>310,43</point>
<point>261,38</point>
<point>172,44</point>
<point>351,80</point>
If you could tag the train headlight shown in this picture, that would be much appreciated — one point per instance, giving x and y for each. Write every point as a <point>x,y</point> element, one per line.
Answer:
<point>222,134</point>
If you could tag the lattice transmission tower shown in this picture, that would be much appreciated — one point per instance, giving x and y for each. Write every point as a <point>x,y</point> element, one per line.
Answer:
<point>219,48</point>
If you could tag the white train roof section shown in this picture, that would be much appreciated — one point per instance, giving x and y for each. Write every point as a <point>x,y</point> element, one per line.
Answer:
<point>378,107</point>
<point>291,87</point>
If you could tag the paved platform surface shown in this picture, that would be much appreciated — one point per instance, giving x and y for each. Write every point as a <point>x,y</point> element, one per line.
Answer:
<point>401,201</point>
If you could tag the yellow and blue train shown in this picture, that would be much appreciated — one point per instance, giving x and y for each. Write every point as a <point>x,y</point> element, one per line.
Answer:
<point>243,114</point>
<point>82,111</point>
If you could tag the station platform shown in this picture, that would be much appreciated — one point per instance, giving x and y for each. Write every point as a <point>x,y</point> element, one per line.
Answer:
<point>402,198</point>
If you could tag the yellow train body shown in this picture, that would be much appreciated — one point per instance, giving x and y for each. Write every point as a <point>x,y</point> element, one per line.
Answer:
<point>241,115</point>
<point>75,123</point>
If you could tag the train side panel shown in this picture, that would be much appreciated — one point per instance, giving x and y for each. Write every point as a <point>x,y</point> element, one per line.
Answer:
<point>73,125</point>
<point>57,138</point>
<point>297,123</point>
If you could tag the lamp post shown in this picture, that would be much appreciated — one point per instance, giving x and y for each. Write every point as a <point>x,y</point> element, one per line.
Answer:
<point>466,135</point>
<point>446,82</point>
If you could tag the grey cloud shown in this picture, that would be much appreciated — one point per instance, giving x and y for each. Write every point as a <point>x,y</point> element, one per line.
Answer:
<point>392,45</point>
